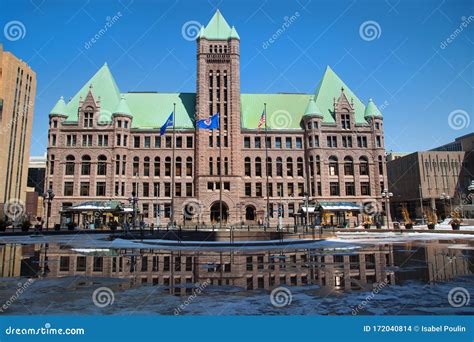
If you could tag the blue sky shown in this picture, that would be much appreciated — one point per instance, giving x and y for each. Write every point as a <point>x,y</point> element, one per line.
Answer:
<point>414,78</point>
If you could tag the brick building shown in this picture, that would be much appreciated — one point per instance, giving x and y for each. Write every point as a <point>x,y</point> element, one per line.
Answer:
<point>326,147</point>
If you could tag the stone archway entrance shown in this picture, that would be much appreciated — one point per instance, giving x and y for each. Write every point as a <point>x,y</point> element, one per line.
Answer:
<point>215,212</point>
<point>250,214</point>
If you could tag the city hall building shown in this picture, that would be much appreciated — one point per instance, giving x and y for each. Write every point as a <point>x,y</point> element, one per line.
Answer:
<point>318,156</point>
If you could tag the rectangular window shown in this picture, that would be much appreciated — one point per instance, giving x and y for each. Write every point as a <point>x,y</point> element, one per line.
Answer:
<point>299,143</point>
<point>258,190</point>
<point>331,141</point>
<point>100,189</point>
<point>334,189</point>
<point>246,142</point>
<point>269,142</point>
<point>179,142</point>
<point>189,142</point>
<point>288,143</point>
<point>278,142</point>
<point>136,142</point>
<point>147,142</point>
<point>350,189</point>
<point>81,264</point>
<point>64,264</point>
<point>189,189</point>
<point>84,189</point>
<point>258,142</point>
<point>168,142</point>
<point>248,189</point>
<point>365,188</point>
<point>68,188</point>
<point>157,142</point>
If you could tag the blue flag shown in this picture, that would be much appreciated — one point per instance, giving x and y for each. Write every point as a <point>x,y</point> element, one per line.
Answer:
<point>209,123</point>
<point>167,124</point>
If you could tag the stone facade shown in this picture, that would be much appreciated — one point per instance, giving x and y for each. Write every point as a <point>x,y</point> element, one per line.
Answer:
<point>340,161</point>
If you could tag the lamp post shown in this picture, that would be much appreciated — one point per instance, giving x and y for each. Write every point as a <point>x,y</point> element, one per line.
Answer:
<point>48,197</point>
<point>470,188</point>
<point>446,198</point>
<point>133,201</point>
<point>386,196</point>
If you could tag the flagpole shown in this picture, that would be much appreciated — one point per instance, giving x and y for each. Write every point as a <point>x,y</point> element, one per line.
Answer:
<point>266,164</point>
<point>220,173</point>
<point>173,167</point>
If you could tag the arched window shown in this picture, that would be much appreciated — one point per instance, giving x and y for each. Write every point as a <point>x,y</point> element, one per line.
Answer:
<point>289,167</point>
<point>157,167</point>
<point>348,166</point>
<point>299,167</point>
<point>279,167</point>
<point>102,165</point>
<point>179,166</point>
<point>189,166</point>
<point>226,166</point>
<point>211,166</point>
<point>258,167</point>
<point>146,167</point>
<point>269,166</point>
<point>380,165</point>
<point>364,166</point>
<point>333,166</point>
<point>136,166</point>
<point>86,165</point>
<point>168,166</point>
<point>248,167</point>
<point>311,166</point>
<point>70,165</point>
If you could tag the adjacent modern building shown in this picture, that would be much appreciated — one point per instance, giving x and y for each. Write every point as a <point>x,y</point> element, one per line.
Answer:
<point>321,152</point>
<point>36,175</point>
<point>437,179</point>
<point>17,98</point>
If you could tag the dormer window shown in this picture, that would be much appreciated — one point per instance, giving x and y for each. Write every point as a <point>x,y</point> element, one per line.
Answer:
<point>88,117</point>
<point>346,121</point>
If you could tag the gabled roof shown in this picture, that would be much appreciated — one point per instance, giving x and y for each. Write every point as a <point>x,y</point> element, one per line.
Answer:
<point>371,109</point>
<point>60,107</point>
<point>329,88</point>
<point>218,29</point>
<point>103,85</point>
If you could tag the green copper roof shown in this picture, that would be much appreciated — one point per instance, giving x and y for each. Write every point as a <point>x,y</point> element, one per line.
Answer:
<point>330,88</point>
<point>150,110</point>
<point>284,111</point>
<point>103,85</point>
<point>122,107</point>
<point>59,108</point>
<point>218,29</point>
<point>371,109</point>
<point>312,109</point>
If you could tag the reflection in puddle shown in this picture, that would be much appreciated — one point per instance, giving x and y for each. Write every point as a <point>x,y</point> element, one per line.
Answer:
<point>243,272</point>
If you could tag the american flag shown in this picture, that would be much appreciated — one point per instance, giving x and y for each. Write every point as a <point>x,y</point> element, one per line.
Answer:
<point>262,120</point>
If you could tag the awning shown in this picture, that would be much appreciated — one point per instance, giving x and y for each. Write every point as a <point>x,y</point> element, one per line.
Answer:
<point>339,206</point>
<point>308,209</point>
<point>101,206</point>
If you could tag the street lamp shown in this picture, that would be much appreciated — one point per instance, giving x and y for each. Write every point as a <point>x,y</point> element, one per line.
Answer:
<point>445,197</point>
<point>48,197</point>
<point>386,196</point>
<point>133,201</point>
<point>470,188</point>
